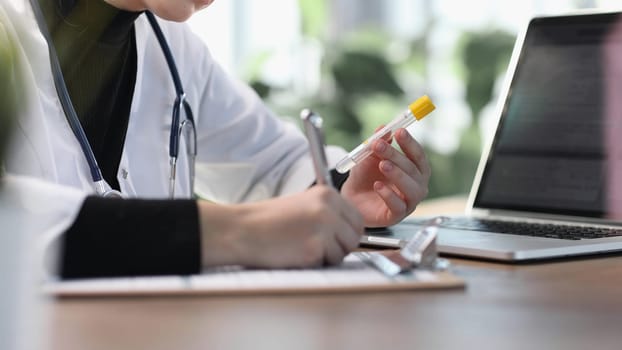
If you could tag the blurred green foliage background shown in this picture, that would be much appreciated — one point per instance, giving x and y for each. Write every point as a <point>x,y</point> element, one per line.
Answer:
<point>363,85</point>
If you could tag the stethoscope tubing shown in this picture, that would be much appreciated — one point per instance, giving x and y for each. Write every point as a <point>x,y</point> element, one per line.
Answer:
<point>180,101</point>
<point>63,95</point>
<point>76,126</point>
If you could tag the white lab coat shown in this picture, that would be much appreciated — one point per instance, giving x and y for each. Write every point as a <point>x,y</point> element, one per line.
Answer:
<point>245,153</point>
<point>32,213</point>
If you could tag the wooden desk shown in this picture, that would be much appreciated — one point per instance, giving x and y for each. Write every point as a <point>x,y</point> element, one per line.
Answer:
<point>573,304</point>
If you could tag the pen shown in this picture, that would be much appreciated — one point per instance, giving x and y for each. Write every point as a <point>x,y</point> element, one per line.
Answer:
<point>312,124</point>
<point>416,111</point>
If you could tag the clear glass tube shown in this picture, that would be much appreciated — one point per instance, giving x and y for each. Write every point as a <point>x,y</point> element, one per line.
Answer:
<point>416,111</point>
<point>363,150</point>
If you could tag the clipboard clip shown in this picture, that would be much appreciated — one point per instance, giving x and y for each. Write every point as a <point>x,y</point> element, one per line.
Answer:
<point>418,253</point>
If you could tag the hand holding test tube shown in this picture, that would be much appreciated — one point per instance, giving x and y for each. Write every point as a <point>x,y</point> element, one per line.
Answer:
<point>416,111</point>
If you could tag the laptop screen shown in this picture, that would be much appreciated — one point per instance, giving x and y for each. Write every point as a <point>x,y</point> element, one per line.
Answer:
<point>558,146</point>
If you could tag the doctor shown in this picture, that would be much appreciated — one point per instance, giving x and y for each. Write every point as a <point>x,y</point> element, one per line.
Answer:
<point>155,133</point>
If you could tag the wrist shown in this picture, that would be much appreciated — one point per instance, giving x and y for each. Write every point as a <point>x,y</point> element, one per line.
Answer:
<point>220,229</point>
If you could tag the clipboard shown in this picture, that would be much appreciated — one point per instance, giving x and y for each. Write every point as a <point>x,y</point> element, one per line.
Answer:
<point>352,276</point>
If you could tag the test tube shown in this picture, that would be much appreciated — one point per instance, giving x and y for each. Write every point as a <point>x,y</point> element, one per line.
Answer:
<point>416,111</point>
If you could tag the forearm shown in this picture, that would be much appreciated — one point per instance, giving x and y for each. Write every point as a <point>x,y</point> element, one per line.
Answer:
<point>155,237</point>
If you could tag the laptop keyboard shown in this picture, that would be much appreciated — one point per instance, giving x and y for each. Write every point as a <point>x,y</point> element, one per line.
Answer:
<point>532,229</point>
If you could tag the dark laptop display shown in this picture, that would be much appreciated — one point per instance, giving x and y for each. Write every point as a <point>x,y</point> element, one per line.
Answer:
<point>550,184</point>
<point>558,147</point>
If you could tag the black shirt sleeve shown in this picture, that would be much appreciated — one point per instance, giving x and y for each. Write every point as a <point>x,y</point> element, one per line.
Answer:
<point>132,237</point>
<point>338,178</point>
<point>96,47</point>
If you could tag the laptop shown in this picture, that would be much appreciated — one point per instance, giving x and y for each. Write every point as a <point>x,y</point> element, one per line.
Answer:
<point>549,185</point>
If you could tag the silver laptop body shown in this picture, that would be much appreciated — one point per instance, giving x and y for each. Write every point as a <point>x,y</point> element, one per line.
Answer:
<point>556,156</point>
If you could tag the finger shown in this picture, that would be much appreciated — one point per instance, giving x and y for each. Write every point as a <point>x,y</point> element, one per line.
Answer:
<point>353,217</point>
<point>387,136</point>
<point>384,151</point>
<point>411,189</point>
<point>352,226</point>
<point>346,211</point>
<point>396,205</point>
<point>414,151</point>
<point>334,253</point>
<point>314,252</point>
<point>348,238</point>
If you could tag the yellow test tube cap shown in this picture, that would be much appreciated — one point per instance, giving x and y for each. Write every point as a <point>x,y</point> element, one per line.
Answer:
<point>421,107</point>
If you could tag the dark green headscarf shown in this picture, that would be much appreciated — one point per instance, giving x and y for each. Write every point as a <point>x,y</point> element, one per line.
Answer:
<point>11,87</point>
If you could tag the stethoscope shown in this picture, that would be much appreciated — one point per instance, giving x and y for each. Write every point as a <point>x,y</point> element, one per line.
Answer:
<point>178,126</point>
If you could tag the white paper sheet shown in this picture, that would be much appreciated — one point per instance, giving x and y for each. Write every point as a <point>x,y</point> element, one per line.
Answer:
<point>351,276</point>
